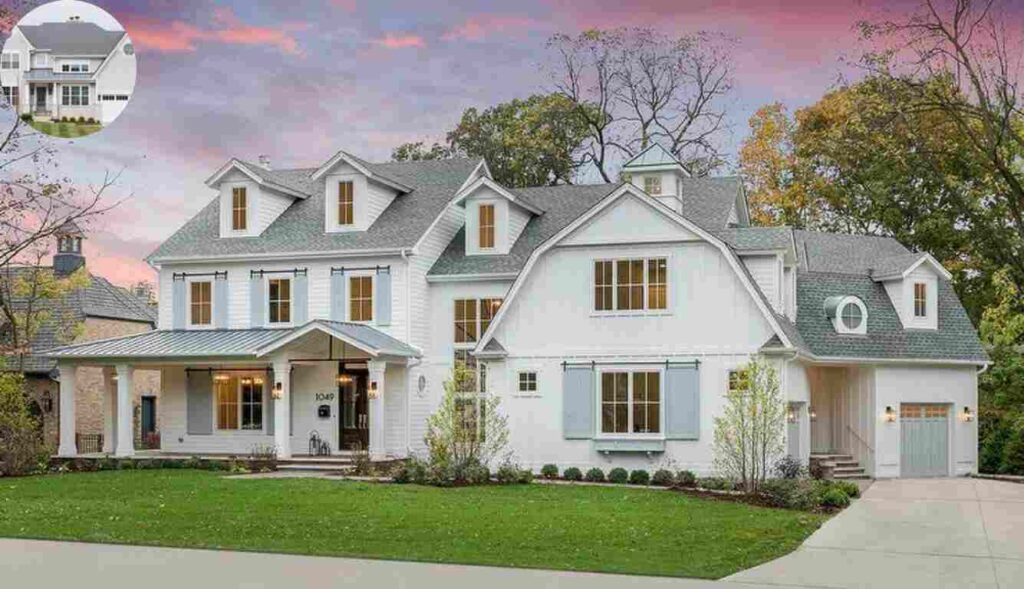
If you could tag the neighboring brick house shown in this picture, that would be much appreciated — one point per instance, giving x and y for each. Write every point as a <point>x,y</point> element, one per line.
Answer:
<point>103,311</point>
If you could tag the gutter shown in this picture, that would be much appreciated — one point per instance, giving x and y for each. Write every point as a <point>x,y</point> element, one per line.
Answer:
<point>257,256</point>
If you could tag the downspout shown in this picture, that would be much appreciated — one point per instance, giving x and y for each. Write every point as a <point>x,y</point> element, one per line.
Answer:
<point>984,368</point>
<point>408,339</point>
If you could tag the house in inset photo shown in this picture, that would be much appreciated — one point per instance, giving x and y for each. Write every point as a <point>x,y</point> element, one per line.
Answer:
<point>68,71</point>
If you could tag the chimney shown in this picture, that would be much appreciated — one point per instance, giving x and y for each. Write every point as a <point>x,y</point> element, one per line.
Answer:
<point>69,256</point>
<point>264,162</point>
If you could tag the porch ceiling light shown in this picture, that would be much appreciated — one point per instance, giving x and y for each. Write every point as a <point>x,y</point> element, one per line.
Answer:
<point>221,377</point>
<point>278,391</point>
<point>967,414</point>
<point>257,380</point>
<point>890,414</point>
<point>343,379</point>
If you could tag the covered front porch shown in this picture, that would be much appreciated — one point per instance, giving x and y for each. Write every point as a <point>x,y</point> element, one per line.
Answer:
<point>842,417</point>
<point>321,389</point>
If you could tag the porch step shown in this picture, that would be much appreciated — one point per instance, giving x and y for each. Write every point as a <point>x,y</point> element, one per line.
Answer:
<point>842,466</point>
<point>833,457</point>
<point>311,467</point>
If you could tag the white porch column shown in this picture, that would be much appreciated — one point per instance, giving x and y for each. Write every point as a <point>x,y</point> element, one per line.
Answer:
<point>124,440</point>
<point>376,409</point>
<point>109,409</point>
<point>68,444</point>
<point>282,407</point>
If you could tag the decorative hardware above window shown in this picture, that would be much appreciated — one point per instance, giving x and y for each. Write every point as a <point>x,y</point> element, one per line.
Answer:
<point>215,275</point>
<point>377,269</point>
<point>293,271</point>
<point>665,363</point>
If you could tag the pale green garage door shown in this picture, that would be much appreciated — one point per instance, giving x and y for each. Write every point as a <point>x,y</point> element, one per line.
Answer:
<point>924,440</point>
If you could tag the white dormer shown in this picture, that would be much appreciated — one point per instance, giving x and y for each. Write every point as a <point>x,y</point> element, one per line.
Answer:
<point>354,195</point>
<point>912,283</point>
<point>250,200</point>
<point>658,173</point>
<point>495,217</point>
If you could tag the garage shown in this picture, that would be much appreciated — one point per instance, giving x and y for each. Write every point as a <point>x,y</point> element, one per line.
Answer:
<point>924,440</point>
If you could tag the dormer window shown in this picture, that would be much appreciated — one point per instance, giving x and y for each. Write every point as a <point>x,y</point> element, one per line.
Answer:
<point>920,300</point>
<point>239,209</point>
<point>486,226</point>
<point>652,185</point>
<point>346,203</point>
<point>848,314</point>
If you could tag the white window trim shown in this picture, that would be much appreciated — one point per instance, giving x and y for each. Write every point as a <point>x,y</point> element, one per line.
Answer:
<point>913,301</point>
<point>249,202</point>
<point>654,178</point>
<point>83,67</point>
<point>229,433</point>
<point>594,312</point>
<point>517,392</point>
<point>291,299</point>
<point>600,435</point>
<point>837,321</point>
<point>494,226</point>
<point>373,295</point>
<point>7,54</point>
<point>213,301</point>
<point>84,94</point>
<point>331,224</point>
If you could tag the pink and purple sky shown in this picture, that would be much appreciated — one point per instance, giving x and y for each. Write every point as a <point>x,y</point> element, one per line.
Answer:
<point>299,79</point>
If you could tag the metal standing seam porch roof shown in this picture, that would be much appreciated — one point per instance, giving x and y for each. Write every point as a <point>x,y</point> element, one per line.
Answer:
<point>228,343</point>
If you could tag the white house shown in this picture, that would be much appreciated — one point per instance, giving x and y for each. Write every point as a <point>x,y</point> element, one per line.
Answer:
<point>610,320</point>
<point>68,69</point>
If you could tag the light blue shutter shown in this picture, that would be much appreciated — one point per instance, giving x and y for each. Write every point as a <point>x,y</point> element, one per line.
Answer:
<point>199,403</point>
<point>179,306</point>
<point>300,298</point>
<point>256,300</point>
<point>268,403</point>
<point>338,295</point>
<point>578,393</point>
<point>220,301</point>
<point>682,403</point>
<point>382,298</point>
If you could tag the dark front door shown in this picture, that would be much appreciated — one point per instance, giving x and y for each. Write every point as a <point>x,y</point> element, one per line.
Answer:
<point>41,98</point>
<point>353,412</point>
<point>148,415</point>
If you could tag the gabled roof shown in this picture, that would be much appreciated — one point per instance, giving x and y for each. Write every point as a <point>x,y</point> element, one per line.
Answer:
<point>300,228</point>
<point>292,184</point>
<point>500,190</point>
<point>710,201</point>
<point>843,252</point>
<point>899,267</point>
<point>76,38</point>
<point>655,157</point>
<point>365,168</point>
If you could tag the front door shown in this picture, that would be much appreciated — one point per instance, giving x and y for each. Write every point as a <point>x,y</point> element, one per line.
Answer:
<point>353,412</point>
<point>41,98</point>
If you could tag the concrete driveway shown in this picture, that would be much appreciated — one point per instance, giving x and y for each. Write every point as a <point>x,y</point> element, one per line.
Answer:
<point>913,533</point>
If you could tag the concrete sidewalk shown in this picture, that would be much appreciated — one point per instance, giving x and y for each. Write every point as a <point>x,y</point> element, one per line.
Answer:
<point>30,563</point>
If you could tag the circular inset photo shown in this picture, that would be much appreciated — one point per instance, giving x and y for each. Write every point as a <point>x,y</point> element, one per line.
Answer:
<point>68,69</point>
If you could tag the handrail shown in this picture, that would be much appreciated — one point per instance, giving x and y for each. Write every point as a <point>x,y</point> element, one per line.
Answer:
<point>861,440</point>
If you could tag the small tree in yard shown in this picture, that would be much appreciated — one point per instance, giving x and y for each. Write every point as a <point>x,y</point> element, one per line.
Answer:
<point>749,434</point>
<point>467,429</point>
<point>22,450</point>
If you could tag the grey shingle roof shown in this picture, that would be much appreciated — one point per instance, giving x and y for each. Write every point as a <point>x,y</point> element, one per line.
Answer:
<point>894,266</point>
<point>709,201</point>
<point>301,227</point>
<point>955,339</point>
<point>561,205</point>
<point>844,253</point>
<point>757,238</point>
<point>223,342</point>
<point>72,38</point>
<point>99,299</point>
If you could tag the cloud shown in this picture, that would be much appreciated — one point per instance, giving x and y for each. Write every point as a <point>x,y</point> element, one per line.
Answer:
<point>478,27</point>
<point>400,41</point>
<point>180,37</point>
<point>346,5</point>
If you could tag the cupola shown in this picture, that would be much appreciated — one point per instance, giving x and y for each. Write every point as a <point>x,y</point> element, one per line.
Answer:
<point>658,173</point>
<point>69,256</point>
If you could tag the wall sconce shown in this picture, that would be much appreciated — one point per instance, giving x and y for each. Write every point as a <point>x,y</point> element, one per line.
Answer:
<point>113,377</point>
<point>343,379</point>
<point>967,415</point>
<point>813,414</point>
<point>890,414</point>
<point>278,391</point>
<point>791,415</point>
<point>47,402</point>
<point>374,391</point>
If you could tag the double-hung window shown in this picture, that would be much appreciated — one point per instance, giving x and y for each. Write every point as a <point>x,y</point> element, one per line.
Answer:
<point>239,208</point>
<point>239,402</point>
<point>346,203</point>
<point>10,61</point>
<point>652,185</point>
<point>11,95</point>
<point>631,285</point>
<point>201,303</point>
<point>226,389</point>
<point>252,403</point>
<point>279,299</point>
<point>74,67</point>
<point>75,95</point>
<point>471,319</point>
<point>920,299</point>
<point>360,300</point>
<point>486,226</point>
<point>631,402</point>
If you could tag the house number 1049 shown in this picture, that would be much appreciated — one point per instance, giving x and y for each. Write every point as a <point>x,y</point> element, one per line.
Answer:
<point>325,396</point>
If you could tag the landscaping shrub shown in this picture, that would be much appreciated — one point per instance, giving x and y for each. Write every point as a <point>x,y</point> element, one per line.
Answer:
<point>22,450</point>
<point>663,478</point>
<point>510,474</point>
<point>639,477</point>
<point>549,471</point>
<point>993,432</point>
<point>788,467</point>
<point>790,493</point>
<point>715,484</point>
<point>1013,451</point>
<point>834,497</point>
<point>572,474</point>
<point>81,120</point>
<point>525,476</point>
<point>263,458</point>
<point>475,474</point>
<point>850,488</point>
<point>816,470</point>
<point>618,476</point>
<point>26,117</point>
<point>686,478</point>
<point>595,475</point>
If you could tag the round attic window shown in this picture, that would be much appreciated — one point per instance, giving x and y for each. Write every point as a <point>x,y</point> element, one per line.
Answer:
<point>852,316</point>
<point>848,314</point>
<point>129,49</point>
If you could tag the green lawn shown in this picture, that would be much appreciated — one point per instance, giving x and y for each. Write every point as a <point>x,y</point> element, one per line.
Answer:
<point>621,530</point>
<point>65,130</point>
